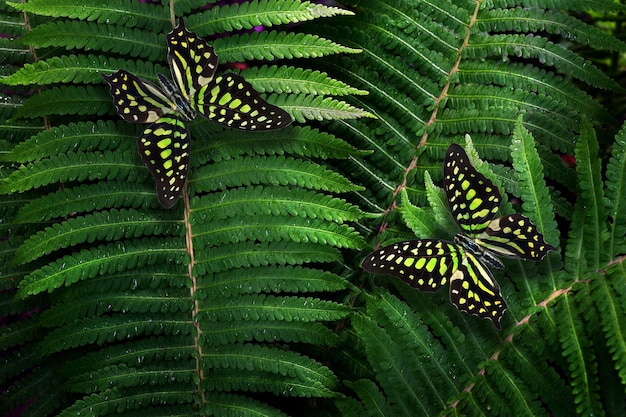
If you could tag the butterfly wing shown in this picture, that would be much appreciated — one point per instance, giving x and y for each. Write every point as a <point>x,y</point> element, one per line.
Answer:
<point>425,264</point>
<point>473,198</point>
<point>164,149</point>
<point>515,236</point>
<point>192,61</point>
<point>137,100</point>
<point>474,290</point>
<point>232,102</point>
<point>227,100</point>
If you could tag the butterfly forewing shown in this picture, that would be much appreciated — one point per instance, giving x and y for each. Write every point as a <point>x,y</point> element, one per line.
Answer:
<point>192,61</point>
<point>474,290</point>
<point>231,101</point>
<point>473,198</point>
<point>164,149</point>
<point>137,100</point>
<point>515,236</point>
<point>424,264</point>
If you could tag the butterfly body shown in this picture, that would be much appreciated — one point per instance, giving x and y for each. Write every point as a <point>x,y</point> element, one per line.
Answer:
<point>476,247</point>
<point>428,264</point>
<point>180,103</point>
<point>228,100</point>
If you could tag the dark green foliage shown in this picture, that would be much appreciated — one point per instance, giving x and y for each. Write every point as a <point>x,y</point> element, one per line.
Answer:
<point>208,305</point>
<point>435,72</point>
<point>247,297</point>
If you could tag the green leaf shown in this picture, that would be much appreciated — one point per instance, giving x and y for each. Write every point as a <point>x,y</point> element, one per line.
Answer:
<point>534,192</point>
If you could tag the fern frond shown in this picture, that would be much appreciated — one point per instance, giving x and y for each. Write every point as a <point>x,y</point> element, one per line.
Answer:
<point>301,141</point>
<point>122,40</point>
<point>304,108</point>
<point>501,121</point>
<point>117,327</point>
<point>223,333</point>
<point>269,308</point>
<point>529,46</point>
<point>577,350</point>
<point>421,222</point>
<point>439,203</point>
<point>130,353</point>
<point>616,194</point>
<point>534,192</point>
<point>532,372</point>
<point>250,254</point>
<point>590,201</point>
<point>134,14</point>
<point>227,405</point>
<point>274,228</point>
<point>66,100</point>
<point>123,377</point>
<point>79,69</point>
<point>277,201</point>
<point>529,78</point>
<point>81,137</point>
<point>260,359</point>
<point>271,171</point>
<point>53,70</point>
<point>272,45</point>
<point>250,381</point>
<point>132,401</point>
<point>102,304</point>
<point>17,54</point>
<point>374,402</point>
<point>380,350</point>
<point>111,225</point>
<point>486,97</point>
<point>89,263</point>
<point>259,13</point>
<point>86,198</point>
<point>550,21</point>
<point>34,383</point>
<point>570,5</point>
<point>274,279</point>
<point>275,79</point>
<point>75,166</point>
<point>609,291</point>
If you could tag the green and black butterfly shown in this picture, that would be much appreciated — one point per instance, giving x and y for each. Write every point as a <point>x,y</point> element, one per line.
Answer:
<point>430,263</point>
<point>228,100</point>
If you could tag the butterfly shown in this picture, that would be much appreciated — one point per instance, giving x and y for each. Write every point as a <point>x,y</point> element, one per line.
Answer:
<point>227,100</point>
<point>428,264</point>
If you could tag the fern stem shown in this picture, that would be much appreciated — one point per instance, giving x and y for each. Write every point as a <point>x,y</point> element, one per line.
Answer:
<point>432,120</point>
<point>192,293</point>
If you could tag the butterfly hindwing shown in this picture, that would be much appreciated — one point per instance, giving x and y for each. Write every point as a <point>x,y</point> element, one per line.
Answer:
<point>424,264</point>
<point>137,100</point>
<point>473,198</point>
<point>515,236</point>
<point>164,149</point>
<point>474,290</point>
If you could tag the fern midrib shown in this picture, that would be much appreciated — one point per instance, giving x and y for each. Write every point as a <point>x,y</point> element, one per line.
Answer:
<point>433,117</point>
<point>193,288</point>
